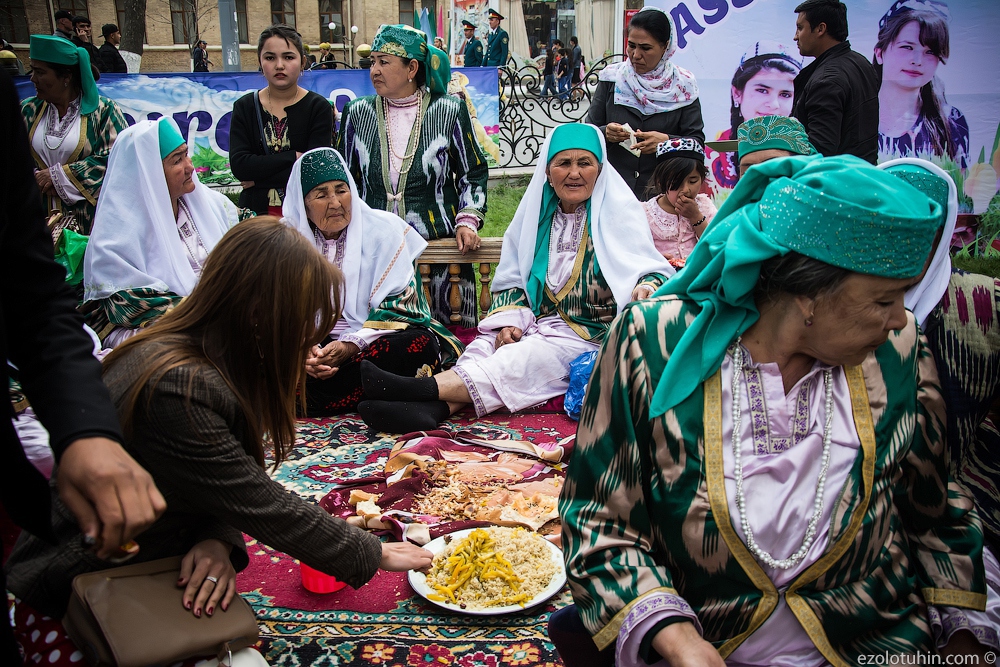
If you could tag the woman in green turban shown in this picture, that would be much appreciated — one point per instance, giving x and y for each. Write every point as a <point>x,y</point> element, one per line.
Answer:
<point>760,475</point>
<point>71,127</point>
<point>412,150</point>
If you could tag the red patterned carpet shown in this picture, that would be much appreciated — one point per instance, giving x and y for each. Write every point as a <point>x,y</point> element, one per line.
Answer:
<point>384,622</point>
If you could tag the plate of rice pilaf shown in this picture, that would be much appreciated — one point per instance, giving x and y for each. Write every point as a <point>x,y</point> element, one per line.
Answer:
<point>491,571</point>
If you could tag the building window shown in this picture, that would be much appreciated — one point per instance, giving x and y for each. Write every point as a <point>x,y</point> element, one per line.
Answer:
<point>13,21</point>
<point>331,11</point>
<point>120,14</point>
<point>241,21</point>
<point>406,12</point>
<point>74,7</point>
<point>283,11</point>
<point>182,17</point>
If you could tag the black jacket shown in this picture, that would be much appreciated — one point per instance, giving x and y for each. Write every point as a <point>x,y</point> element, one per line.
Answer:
<point>40,331</point>
<point>310,125</point>
<point>836,99</point>
<point>637,171</point>
<point>111,60</point>
<point>92,51</point>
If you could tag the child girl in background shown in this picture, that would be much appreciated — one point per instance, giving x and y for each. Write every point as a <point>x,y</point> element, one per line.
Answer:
<point>679,213</point>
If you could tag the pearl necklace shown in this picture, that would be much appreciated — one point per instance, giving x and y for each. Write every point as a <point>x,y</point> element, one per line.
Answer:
<point>59,127</point>
<point>787,563</point>
<point>415,131</point>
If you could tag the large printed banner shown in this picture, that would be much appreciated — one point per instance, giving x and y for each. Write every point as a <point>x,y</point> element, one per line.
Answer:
<point>202,105</point>
<point>940,92</point>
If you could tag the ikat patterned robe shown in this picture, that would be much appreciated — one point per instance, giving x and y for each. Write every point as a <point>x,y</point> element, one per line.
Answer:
<point>445,175</point>
<point>644,506</point>
<point>98,131</point>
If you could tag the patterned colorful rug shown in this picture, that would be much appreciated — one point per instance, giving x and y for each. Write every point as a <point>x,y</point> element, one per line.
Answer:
<point>384,622</point>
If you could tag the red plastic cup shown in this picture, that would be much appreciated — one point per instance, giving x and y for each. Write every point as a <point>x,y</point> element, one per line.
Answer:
<point>317,582</point>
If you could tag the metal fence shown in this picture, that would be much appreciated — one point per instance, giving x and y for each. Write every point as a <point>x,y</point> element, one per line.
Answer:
<point>527,117</point>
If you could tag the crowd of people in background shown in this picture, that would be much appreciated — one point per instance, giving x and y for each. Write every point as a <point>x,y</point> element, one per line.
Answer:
<point>801,346</point>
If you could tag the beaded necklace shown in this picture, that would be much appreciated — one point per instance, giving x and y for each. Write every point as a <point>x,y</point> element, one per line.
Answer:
<point>189,234</point>
<point>59,127</point>
<point>786,563</point>
<point>403,102</point>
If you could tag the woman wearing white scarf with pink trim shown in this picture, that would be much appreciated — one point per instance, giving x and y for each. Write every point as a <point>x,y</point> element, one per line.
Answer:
<point>656,99</point>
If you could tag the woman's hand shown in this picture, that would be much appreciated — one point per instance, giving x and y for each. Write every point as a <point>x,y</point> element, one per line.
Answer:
<point>688,208</point>
<point>324,362</point>
<point>681,646</point>
<point>507,335</point>
<point>648,141</point>
<point>964,643</point>
<point>44,179</point>
<point>642,292</point>
<point>403,556</point>
<point>614,133</point>
<point>208,577</point>
<point>246,184</point>
<point>467,239</point>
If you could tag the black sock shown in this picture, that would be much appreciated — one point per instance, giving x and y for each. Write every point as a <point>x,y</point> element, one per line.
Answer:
<point>385,386</point>
<point>403,416</point>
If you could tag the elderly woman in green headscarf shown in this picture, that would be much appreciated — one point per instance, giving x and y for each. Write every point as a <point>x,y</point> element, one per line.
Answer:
<point>767,137</point>
<point>761,474</point>
<point>412,150</point>
<point>71,127</point>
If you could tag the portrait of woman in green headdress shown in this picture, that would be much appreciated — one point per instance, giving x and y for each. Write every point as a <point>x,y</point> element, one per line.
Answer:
<point>761,475</point>
<point>71,127</point>
<point>412,150</point>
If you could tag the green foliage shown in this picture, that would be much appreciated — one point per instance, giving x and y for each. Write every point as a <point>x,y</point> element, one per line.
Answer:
<point>988,266</point>
<point>217,166</point>
<point>989,221</point>
<point>502,203</point>
<point>955,171</point>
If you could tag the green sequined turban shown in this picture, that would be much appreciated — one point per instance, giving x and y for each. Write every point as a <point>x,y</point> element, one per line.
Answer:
<point>770,132</point>
<point>407,42</point>
<point>61,51</point>
<point>838,210</point>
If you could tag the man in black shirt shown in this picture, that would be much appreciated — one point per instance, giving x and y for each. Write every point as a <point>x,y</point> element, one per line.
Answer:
<point>82,38</point>
<point>836,96</point>
<point>110,59</point>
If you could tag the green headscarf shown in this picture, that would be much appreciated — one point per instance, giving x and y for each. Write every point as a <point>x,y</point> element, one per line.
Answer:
<point>61,51</point>
<point>408,42</point>
<point>169,136</point>
<point>321,166</point>
<point>571,136</point>
<point>769,132</point>
<point>839,210</point>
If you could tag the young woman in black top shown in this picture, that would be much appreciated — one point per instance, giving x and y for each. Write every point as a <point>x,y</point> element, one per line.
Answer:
<point>272,127</point>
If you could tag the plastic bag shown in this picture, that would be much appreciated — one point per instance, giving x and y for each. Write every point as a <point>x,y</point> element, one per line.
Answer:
<point>69,253</point>
<point>579,374</point>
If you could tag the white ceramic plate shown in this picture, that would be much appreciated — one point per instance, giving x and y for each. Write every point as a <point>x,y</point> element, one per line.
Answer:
<point>418,580</point>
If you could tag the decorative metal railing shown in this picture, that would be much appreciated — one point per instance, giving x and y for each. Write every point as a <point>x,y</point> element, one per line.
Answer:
<point>526,117</point>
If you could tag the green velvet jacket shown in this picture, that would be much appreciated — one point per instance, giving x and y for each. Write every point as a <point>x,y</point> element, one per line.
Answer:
<point>644,508</point>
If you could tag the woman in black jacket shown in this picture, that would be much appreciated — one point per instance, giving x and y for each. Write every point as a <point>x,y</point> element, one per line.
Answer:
<point>655,98</point>
<point>274,126</point>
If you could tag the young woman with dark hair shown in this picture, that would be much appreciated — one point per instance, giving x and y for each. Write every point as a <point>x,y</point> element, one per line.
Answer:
<point>203,397</point>
<point>915,119</point>
<point>274,126</point>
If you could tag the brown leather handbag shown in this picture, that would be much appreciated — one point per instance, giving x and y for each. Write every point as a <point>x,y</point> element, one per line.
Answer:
<point>132,616</point>
<point>58,221</point>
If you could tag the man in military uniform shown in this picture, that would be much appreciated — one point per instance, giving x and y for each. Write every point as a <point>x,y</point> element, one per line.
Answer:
<point>498,42</point>
<point>473,49</point>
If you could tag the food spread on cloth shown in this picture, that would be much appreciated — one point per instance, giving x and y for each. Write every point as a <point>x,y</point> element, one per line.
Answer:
<point>435,483</point>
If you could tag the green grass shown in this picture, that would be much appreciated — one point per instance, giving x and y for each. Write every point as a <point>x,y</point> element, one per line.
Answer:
<point>501,204</point>
<point>988,266</point>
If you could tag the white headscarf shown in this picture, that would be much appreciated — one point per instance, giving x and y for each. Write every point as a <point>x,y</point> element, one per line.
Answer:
<point>666,87</point>
<point>622,239</point>
<point>379,252</point>
<point>923,297</point>
<point>135,243</point>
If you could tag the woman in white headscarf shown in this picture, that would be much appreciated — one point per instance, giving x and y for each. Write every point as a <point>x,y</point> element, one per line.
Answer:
<point>655,98</point>
<point>154,227</point>
<point>386,319</point>
<point>577,250</point>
